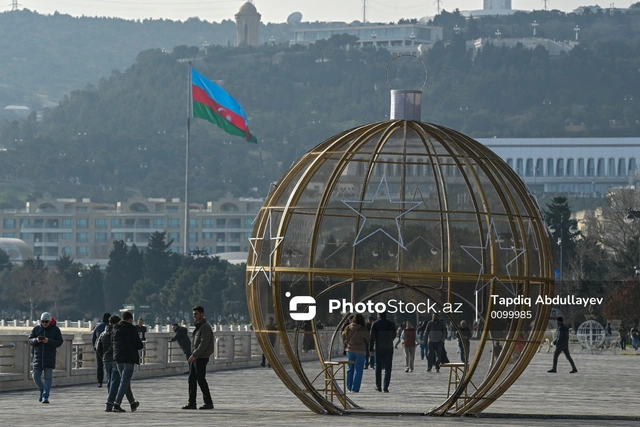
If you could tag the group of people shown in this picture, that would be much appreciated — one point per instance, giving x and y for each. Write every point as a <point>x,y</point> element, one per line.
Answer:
<point>118,343</point>
<point>372,345</point>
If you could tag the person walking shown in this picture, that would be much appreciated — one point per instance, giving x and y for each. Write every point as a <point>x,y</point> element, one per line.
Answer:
<point>383,332</point>
<point>420,333</point>
<point>142,330</point>
<point>464,340</point>
<point>562,346</point>
<point>622,331</point>
<point>99,329</point>
<point>201,349</point>
<point>635,337</point>
<point>105,351</point>
<point>126,345</point>
<point>369,360</point>
<point>435,333</point>
<point>408,338</point>
<point>356,341</point>
<point>182,337</point>
<point>399,334</point>
<point>44,340</point>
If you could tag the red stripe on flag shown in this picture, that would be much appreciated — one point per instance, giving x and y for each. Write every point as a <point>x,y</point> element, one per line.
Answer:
<point>199,95</point>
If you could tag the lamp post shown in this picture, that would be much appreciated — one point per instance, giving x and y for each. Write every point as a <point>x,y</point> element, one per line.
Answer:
<point>577,30</point>
<point>498,34</point>
<point>456,29</point>
<point>272,41</point>
<point>560,242</point>
<point>534,24</point>
<point>630,219</point>
<point>373,36</point>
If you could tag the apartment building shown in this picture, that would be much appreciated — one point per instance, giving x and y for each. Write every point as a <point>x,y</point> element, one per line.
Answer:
<point>85,230</point>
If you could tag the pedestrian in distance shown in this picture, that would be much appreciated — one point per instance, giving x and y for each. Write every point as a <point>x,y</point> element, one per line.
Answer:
<point>420,332</point>
<point>622,332</point>
<point>182,337</point>
<point>126,345</point>
<point>356,340</point>
<point>383,333</point>
<point>105,351</point>
<point>562,346</point>
<point>635,337</point>
<point>464,340</point>
<point>99,329</point>
<point>399,334</point>
<point>142,330</point>
<point>435,333</point>
<point>44,340</point>
<point>408,339</point>
<point>369,359</point>
<point>201,349</point>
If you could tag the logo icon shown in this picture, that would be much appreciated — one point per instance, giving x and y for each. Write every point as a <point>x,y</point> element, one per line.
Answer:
<point>309,302</point>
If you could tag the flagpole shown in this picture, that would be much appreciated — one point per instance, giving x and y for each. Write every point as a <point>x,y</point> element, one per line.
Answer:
<point>186,171</point>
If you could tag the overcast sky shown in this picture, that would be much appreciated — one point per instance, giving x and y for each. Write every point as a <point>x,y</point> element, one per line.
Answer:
<point>278,10</point>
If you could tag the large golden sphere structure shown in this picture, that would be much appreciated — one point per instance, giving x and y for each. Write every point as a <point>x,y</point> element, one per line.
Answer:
<point>411,212</point>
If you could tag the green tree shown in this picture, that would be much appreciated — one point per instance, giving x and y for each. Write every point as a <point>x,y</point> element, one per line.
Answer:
<point>117,281</point>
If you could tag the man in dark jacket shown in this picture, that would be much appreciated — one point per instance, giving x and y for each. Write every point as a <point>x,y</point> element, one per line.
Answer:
<point>105,351</point>
<point>94,341</point>
<point>201,349</point>
<point>126,344</point>
<point>562,346</point>
<point>435,333</point>
<point>45,339</point>
<point>182,336</point>
<point>383,332</point>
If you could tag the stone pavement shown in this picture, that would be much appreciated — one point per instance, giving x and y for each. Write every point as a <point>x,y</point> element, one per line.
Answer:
<point>603,393</point>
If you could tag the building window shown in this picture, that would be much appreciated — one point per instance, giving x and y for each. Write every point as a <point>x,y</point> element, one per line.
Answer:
<point>66,251</point>
<point>9,235</point>
<point>117,236</point>
<point>560,167</point>
<point>580,167</point>
<point>622,171</point>
<point>173,222</point>
<point>25,236</point>
<point>172,208</point>
<point>510,163</point>
<point>207,223</point>
<point>143,223</point>
<point>234,223</point>
<point>611,169</point>
<point>539,167</point>
<point>207,235</point>
<point>247,235</point>
<point>193,237</point>
<point>82,251</point>
<point>9,223</point>
<point>67,223</point>
<point>600,168</point>
<point>82,237</point>
<point>229,207</point>
<point>207,249</point>
<point>101,223</point>
<point>158,223</point>
<point>220,223</point>
<point>130,223</point>
<point>519,166</point>
<point>116,223</point>
<point>25,223</point>
<point>529,168</point>
<point>66,236</point>
<point>101,237</point>
<point>193,223</point>
<point>632,165</point>
<point>591,167</point>
<point>220,237</point>
<point>571,168</point>
<point>174,236</point>
<point>82,208</point>
<point>248,222</point>
<point>550,167</point>
<point>82,223</point>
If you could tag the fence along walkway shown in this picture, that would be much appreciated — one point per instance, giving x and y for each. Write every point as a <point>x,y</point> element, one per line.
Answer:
<point>604,392</point>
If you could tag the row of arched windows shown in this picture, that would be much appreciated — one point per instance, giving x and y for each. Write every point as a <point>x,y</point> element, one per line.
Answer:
<point>579,167</point>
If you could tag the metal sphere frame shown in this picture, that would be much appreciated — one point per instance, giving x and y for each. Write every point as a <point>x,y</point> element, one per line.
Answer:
<point>448,220</point>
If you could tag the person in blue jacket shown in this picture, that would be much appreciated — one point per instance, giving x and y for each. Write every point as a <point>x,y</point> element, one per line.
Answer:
<point>45,339</point>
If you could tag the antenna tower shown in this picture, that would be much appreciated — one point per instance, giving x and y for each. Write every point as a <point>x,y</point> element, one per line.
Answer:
<point>364,11</point>
<point>438,5</point>
<point>15,5</point>
<point>545,3</point>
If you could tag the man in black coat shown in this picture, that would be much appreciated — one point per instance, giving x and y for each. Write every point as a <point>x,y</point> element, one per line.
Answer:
<point>562,346</point>
<point>383,332</point>
<point>182,336</point>
<point>126,343</point>
<point>45,339</point>
<point>94,341</point>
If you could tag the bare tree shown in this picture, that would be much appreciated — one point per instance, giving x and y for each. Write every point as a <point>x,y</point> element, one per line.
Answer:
<point>29,285</point>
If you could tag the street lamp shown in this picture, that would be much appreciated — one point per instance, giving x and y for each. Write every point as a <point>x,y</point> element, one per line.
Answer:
<point>577,30</point>
<point>456,29</point>
<point>534,24</point>
<point>572,229</point>
<point>498,34</point>
<point>373,36</point>
<point>630,219</point>
<point>272,41</point>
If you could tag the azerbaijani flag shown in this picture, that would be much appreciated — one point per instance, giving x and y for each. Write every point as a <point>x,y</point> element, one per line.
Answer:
<point>213,104</point>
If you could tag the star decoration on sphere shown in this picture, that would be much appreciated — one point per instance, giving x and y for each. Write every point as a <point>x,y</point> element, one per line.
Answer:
<point>480,284</point>
<point>397,239</point>
<point>273,242</point>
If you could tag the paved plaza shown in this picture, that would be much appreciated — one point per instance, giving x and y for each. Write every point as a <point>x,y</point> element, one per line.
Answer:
<point>603,393</point>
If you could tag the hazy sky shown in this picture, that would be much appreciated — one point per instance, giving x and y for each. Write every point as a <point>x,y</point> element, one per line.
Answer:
<point>278,10</point>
